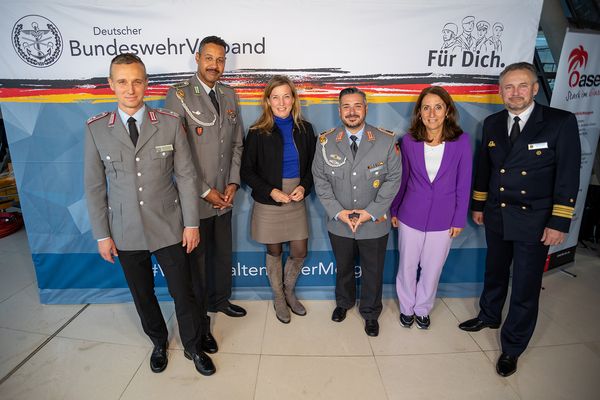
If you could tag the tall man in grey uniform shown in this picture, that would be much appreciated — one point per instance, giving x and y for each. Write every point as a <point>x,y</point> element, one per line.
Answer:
<point>211,116</point>
<point>133,157</point>
<point>357,170</point>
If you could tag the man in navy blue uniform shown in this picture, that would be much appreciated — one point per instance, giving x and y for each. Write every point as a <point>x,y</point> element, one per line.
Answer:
<point>524,191</point>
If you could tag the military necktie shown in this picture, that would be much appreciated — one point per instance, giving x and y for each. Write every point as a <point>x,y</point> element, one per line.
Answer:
<point>515,131</point>
<point>213,99</point>
<point>133,131</point>
<point>354,146</point>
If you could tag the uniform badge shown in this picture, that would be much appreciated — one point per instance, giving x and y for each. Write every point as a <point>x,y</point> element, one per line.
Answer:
<point>538,153</point>
<point>196,90</point>
<point>335,157</point>
<point>339,136</point>
<point>491,143</point>
<point>180,94</point>
<point>232,115</point>
<point>199,130</point>
<point>322,139</point>
<point>370,136</point>
<point>376,183</point>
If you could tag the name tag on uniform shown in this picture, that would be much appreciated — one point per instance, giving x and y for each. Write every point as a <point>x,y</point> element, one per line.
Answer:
<point>537,146</point>
<point>164,147</point>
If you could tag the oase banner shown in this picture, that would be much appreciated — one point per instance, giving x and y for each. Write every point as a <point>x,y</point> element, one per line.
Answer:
<point>577,89</point>
<point>55,59</point>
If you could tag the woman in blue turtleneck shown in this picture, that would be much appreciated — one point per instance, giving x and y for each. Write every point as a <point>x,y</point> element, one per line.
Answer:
<point>276,164</point>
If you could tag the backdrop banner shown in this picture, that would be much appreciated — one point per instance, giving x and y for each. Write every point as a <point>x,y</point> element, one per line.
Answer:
<point>577,89</point>
<point>55,59</point>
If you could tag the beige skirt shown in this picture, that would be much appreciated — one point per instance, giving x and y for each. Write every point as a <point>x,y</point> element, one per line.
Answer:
<point>279,224</point>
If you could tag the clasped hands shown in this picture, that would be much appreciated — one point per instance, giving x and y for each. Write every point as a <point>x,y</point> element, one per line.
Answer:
<point>281,197</point>
<point>354,218</point>
<point>222,200</point>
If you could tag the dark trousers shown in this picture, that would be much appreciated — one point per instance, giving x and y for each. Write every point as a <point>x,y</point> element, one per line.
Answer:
<point>528,267</point>
<point>371,253</point>
<point>137,267</point>
<point>213,256</point>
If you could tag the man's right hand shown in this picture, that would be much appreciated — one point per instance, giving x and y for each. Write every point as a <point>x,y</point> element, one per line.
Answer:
<point>477,217</point>
<point>107,249</point>
<point>217,199</point>
<point>395,223</point>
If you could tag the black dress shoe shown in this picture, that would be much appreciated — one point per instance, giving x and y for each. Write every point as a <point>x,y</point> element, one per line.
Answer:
<point>339,314</point>
<point>506,365</point>
<point>231,310</point>
<point>158,359</point>
<point>202,362</point>
<point>475,325</point>
<point>208,343</point>
<point>372,327</point>
<point>407,320</point>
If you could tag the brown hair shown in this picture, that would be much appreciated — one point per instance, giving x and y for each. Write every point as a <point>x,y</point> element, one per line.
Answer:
<point>266,121</point>
<point>126,58</point>
<point>450,131</point>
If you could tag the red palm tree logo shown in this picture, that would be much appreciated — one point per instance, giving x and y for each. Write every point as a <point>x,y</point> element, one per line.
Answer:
<point>577,59</point>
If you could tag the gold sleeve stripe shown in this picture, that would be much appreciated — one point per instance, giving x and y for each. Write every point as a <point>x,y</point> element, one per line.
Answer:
<point>479,196</point>
<point>563,211</point>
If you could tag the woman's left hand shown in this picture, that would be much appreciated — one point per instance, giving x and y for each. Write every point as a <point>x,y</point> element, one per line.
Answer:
<point>297,194</point>
<point>454,232</point>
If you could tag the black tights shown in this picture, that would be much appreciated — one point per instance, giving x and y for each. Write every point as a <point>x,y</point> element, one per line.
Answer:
<point>297,248</point>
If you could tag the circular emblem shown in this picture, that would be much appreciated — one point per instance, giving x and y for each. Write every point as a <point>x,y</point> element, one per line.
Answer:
<point>376,183</point>
<point>322,139</point>
<point>37,41</point>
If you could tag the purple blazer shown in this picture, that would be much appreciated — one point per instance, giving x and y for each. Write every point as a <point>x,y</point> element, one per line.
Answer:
<point>443,203</point>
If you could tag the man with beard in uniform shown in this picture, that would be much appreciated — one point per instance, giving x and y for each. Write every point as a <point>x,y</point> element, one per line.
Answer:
<point>357,170</point>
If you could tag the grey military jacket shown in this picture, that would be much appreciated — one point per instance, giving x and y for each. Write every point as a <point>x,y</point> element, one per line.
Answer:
<point>216,140</point>
<point>140,196</point>
<point>368,182</point>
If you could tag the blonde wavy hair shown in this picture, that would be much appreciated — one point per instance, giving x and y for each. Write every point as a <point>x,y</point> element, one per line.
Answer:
<point>266,121</point>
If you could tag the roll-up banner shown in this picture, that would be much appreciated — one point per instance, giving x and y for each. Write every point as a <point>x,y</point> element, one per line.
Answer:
<point>577,89</point>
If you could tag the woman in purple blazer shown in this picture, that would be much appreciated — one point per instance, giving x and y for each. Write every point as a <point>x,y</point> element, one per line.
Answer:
<point>431,206</point>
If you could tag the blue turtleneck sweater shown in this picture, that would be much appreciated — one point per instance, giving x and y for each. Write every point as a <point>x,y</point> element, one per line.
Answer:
<point>291,163</point>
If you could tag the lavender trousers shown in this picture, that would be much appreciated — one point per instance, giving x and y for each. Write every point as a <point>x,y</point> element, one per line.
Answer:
<point>429,250</point>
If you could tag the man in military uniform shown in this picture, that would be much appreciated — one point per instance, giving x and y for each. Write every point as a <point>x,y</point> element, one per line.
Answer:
<point>524,192</point>
<point>211,116</point>
<point>140,211</point>
<point>357,170</point>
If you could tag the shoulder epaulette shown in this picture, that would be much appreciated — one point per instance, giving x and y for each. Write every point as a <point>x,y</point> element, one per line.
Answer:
<point>386,131</point>
<point>325,133</point>
<point>166,112</point>
<point>181,84</point>
<point>97,117</point>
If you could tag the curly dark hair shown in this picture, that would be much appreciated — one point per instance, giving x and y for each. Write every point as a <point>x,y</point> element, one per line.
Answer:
<point>450,131</point>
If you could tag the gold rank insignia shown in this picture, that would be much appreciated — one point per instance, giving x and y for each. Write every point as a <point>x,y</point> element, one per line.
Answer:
<point>491,143</point>
<point>322,139</point>
<point>376,183</point>
<point>180,93</point>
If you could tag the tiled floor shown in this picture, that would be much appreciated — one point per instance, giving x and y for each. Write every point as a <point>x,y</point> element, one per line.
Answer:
<point>100,352</point>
